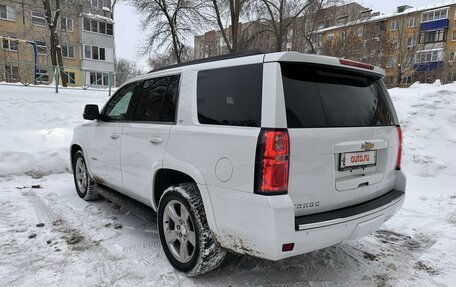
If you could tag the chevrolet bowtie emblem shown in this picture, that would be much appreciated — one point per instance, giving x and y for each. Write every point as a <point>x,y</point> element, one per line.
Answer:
<point>367,146</point>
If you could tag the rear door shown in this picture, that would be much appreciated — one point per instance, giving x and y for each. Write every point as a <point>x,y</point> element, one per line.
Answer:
<point>343,136</point>
<point>145,136</point>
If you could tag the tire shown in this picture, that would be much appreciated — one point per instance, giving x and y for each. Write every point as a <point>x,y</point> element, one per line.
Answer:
<point>85,186</point>
<point>181,215</point>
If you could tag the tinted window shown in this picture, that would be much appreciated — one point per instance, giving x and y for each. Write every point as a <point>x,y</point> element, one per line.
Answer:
<point>157,100</point>
<point>319,96</point>
<point>230,96</point>
<point>168,108</point>
<point>117,107</point>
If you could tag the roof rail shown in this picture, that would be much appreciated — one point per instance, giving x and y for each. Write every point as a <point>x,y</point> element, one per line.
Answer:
<point>250,52</point>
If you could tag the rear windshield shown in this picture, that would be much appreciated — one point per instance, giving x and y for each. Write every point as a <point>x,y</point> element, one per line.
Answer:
<point>322,96</point>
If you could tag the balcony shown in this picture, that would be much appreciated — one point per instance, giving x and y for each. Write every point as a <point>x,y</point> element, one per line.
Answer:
<point>429,66</point>
<point>435,25</point>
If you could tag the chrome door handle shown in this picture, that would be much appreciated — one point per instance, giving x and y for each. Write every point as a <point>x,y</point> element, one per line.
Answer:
<point>156,140</point>
<point>115,136</point>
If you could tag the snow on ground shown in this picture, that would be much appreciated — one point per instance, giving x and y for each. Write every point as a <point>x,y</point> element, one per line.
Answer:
<point>101,244</point>
<point>36,126</point>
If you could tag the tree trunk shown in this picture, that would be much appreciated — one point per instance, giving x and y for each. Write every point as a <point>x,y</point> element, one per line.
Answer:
<point>55,49</point>
<point>220,24</point>
<point>399,75</point>
<point>235,11</point>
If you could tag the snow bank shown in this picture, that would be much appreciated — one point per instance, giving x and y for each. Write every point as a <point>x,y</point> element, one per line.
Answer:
<point>36,127</point>
<point>428,117</point>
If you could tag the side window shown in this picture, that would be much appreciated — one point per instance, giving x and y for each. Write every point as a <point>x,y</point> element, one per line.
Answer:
<point>157,100</point>
<point>230,96</point>
<point>117,108</point>
<point>168,109</point>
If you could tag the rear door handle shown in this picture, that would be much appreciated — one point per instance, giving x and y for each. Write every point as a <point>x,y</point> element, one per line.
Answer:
<point>115,136</point>
<point>156,140</point>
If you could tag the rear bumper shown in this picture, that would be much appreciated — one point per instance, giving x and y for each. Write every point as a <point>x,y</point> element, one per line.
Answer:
<point>259,225</point>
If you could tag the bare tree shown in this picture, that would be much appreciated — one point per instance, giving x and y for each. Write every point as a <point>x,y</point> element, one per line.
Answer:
<point>160,60</point>
<point>279,15</point>
<point>55,48</point>
<point>316,16</point>
<point>345,44</point>
<point>125,70</point>
<point>403,48</point>
<point>235,9</point>
<point>171,22</point>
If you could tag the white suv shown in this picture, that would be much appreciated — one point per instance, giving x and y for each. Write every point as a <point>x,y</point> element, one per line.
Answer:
<point>269,155</point>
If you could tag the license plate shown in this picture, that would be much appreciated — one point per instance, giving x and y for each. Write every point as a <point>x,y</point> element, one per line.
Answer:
<point>353,160</point>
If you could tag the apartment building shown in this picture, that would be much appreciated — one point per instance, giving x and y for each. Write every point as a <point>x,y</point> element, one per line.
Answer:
<point>412,44</point>
<point>86,35</point>
<point>255,34</point>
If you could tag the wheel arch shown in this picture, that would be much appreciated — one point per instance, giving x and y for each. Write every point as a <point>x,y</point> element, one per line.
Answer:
<point>73,150</point>
<point>166,177</point>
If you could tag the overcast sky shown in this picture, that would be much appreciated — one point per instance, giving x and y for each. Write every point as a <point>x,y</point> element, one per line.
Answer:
<point>128,34</point>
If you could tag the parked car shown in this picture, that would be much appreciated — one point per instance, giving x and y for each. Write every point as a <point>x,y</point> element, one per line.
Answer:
<point>269,155</point>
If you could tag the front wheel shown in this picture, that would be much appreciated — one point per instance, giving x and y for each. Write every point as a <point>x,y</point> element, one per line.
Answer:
<point>184,233</point>
<point>85,185</point>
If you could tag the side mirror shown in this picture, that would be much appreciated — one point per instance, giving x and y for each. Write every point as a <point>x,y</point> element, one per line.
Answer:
<point>91,112</point>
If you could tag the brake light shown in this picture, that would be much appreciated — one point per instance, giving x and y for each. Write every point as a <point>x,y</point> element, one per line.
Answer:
<point>399,149</point>
<point>356,64</point>
<point>272,162</point>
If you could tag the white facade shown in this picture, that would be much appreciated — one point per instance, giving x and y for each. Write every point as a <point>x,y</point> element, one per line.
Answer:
<point>97,49</point>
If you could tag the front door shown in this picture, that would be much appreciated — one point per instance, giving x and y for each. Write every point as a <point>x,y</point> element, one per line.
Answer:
<point>106,137</point>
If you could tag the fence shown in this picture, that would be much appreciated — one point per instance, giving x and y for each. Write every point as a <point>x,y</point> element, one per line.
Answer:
<point>28,73</point>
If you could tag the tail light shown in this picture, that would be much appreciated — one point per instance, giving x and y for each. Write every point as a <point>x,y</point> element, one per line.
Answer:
<point>272,162</point>
<point>399,149</point>
<point>356,64</point>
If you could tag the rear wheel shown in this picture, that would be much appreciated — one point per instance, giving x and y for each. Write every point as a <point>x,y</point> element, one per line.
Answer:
<point>184,233</point>
<point>85,185</point>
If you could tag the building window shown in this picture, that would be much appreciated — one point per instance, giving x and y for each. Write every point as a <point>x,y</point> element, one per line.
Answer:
<point>360,31</point>
<point>86,24</point>
<point>99,79</point>
<point>38,18</point>
<point>94,53</point>
<point>98,26</point>
<point>70,77</point>
<point>411,42</point>
<point>42,47</point>
<point>344,35</point>
<point>452,54</point>
<point>7,12</point>
<point>317,39</point>
<point>67,51</point>
<point>453,38</point>
<point>394,25</point>
<point>432,36</point>
<point>412,22</point>
<point>9,44</point>
<point>102,27</point>
<point>434,15</point>
<point>109,29</point>
<point>66,24</point>
<point>330,37</point>
<point>429,56</point>
<point>97,3</point>
<point>42,75</point>
<point>93,25</point>
<point>11,72</point>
